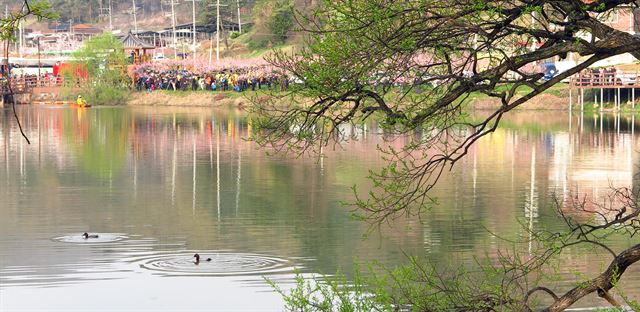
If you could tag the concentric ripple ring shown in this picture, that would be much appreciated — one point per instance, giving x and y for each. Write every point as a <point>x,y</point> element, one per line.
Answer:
<point>77,238</point>
<point>223,263</point>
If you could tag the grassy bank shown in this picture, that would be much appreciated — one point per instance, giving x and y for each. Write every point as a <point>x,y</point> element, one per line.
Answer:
<point>189,98</point>
<point>556,98</point>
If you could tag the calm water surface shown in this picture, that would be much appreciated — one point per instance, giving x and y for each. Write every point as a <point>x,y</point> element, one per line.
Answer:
<point>160,184</point>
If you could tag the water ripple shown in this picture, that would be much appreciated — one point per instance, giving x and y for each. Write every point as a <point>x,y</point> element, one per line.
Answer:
<point>102,238</point>
<point>223,263</point>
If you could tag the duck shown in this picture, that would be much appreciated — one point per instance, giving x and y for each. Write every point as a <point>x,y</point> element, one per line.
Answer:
<point>87,236</point>
<point>197,256</point>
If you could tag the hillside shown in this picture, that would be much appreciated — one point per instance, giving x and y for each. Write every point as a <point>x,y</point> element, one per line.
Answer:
<point>266,23</point>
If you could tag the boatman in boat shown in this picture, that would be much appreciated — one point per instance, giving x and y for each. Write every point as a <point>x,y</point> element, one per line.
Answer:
<point>81,102</point>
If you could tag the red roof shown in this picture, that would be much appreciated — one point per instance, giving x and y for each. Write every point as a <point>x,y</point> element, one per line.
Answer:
<point>82,26</point>
<point>86,29</point>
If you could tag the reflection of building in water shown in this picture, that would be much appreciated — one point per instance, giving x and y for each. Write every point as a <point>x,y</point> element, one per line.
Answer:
<point>560,162</point>
<point>193,162</point>
<point>590,164</point>
<point>592,168</point>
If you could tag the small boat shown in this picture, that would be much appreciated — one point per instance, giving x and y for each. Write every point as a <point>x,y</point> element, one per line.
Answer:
<point>81,103</point>
<point>80,106</point>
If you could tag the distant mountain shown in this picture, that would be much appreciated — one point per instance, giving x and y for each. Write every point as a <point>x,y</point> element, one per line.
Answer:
<point>267,22</point>
<point>148,12</point>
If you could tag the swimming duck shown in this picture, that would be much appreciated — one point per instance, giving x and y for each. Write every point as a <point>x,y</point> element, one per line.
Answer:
<point>87,236</point>
<point>197,256</point>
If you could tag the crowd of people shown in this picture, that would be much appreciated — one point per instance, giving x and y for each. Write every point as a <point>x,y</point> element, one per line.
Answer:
<point>187,78</point>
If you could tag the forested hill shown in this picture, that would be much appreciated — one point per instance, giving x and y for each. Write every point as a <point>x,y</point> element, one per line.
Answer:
<point>156,11</point>
<point>95,11</point>
<point>266,23</point>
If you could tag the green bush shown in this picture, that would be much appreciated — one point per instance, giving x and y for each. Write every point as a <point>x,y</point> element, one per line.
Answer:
<point>105,94</point>
<point>259,43</point>
<point>327,294</point>
<point>101,59</point>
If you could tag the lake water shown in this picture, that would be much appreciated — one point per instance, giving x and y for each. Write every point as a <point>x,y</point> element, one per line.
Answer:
<point>160,184</point>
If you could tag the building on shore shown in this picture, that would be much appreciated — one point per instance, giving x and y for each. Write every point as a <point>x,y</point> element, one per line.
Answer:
<point>625,18</point>
<point>137,49</point>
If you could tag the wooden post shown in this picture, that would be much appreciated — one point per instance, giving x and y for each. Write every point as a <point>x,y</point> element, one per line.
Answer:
<point>601,99</point>
<point>581,99</point>
<point>633,97</point>
<point>619,99</point>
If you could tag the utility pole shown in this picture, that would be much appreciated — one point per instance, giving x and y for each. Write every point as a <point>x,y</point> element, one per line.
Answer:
<point>135,20</point>
<point>217,31</point>
<point>210,47</point>
<point>173,25</point>
<point>20,36</point>
<point>6,14</point>
<point>239,23</point>
<point>110,20</point>
<point>39,63</point>
<point>193,2</point>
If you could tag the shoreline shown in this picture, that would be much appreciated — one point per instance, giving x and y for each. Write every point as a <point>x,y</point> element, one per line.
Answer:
<point>552,101</point>
<point>542,102</point>
<point>185,98</point>
<point>216,99</point>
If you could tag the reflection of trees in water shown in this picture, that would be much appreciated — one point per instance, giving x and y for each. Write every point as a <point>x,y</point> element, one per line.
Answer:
<point>99,138</point>
<point>290,205</point>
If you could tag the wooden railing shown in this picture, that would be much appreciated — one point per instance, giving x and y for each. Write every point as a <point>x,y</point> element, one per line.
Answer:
<point>139,59</point>
<point>605,80</point>
<point>27,84</point>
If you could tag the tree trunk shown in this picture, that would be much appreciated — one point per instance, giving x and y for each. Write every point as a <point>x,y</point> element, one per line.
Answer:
<point>602,283</point>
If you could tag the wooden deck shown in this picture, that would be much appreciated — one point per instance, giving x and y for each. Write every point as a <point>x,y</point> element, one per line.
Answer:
<point>586,80</point>
<point>36,91</point>
<point>622,85</point>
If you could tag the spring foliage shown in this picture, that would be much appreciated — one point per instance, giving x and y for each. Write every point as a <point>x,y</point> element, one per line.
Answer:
<point>413,65</point>
<point>99,68</point>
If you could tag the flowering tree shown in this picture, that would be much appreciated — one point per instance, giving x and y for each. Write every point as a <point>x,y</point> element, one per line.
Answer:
<point>201,67</point>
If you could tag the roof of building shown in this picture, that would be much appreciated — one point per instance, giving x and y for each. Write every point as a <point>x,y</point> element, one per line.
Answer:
<point>82,26</point>
<point>85,29</point>
<point>131,42</point>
